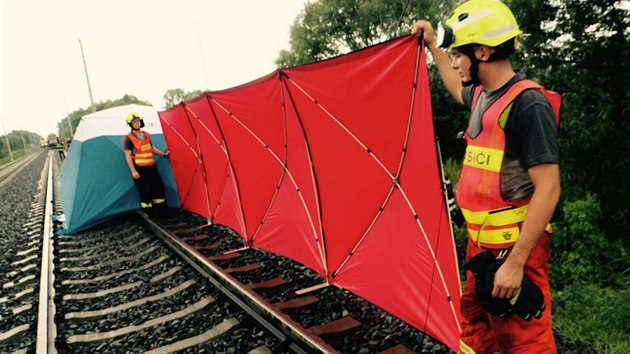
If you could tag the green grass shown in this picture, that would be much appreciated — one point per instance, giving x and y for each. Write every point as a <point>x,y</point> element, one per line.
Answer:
<point>599,316</point>
<point>16,155</point>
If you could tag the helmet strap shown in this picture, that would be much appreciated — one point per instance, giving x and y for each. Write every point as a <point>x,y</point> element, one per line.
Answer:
<point>474,71</point>
<point>469,51</point>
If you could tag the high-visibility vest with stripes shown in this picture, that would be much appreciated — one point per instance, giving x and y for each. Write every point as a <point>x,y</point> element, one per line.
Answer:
<point>493,222</point>
<point>143,155</point>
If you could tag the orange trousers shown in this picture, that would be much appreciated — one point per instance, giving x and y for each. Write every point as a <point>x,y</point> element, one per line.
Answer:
<point>483,333</point>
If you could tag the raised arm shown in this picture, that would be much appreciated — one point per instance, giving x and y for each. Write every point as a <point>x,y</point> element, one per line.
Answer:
<point>449,76</point>
<point>159,152</point>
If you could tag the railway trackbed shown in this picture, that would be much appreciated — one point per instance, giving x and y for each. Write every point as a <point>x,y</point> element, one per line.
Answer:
<point>165,281</point>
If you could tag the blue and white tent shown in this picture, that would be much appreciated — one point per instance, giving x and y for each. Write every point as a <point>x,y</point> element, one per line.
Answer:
<point>96,184</point>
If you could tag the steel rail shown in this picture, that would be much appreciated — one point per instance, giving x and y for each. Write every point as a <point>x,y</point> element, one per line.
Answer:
<point>300,341</point>
<point>46,329</point>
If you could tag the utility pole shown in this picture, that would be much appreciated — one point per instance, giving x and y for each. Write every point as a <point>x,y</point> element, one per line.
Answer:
<point>87,78</point>
<point>23,141</point>
<point>6,137</point>
<point>65,104</point>
<point>70,126</point>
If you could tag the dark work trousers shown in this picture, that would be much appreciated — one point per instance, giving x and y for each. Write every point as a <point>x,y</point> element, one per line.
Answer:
<point>149,184</point>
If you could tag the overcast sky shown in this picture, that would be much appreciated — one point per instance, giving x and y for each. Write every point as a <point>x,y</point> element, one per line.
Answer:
<point>141,48</point>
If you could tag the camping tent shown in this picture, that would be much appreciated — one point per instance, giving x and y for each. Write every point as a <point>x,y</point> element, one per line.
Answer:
<point>96,184</point>
<point>333,164</point>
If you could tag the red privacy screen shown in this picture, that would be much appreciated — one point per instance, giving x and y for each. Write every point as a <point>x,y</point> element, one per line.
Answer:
<point>333,164</point>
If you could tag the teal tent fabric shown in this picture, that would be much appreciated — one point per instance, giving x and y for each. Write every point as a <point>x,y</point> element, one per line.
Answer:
<point>96,185</point>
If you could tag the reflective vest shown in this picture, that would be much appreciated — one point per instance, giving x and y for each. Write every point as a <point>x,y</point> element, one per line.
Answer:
<point>493,222</point>
<point>143,154</point>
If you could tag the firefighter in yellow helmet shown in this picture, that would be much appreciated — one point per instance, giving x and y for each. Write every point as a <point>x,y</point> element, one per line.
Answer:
<point>60,149</point>
<point>139,155</point>
<point>510,180</point>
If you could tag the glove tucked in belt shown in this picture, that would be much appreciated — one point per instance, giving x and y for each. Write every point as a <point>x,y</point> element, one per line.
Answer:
<point>527,303</point>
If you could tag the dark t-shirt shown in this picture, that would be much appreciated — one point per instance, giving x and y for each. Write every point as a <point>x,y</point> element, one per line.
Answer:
<point>531,136</point>
<point>128,145</point>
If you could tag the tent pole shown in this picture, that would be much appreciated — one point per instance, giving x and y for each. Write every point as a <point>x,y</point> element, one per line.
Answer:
<point>231,168</point>
<point>320,238</point>
<point>201,162</point>
<point>446,200</point>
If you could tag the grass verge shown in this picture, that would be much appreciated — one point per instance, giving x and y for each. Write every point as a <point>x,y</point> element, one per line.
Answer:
<point>599,316</point>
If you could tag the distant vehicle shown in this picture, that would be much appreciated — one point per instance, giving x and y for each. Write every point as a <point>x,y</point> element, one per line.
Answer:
<point>53,140</point>
<point>43,143</point>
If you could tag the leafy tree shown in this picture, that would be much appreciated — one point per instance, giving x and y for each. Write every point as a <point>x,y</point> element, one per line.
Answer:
<point>31,140</point>
<point>329,28</point>
<point>174,96</point>
<point>581,49</point>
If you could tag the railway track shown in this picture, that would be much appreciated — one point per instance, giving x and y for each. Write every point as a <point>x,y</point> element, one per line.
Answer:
<point>21,262</point>
<point>11,169</point>
<point>291,293</point>
<point>122,290</point>
<point>164,281</point>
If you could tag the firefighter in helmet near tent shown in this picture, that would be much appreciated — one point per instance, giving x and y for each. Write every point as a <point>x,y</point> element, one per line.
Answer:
<point>60,149</point>
<point>139,154</point>
<point>509,184</point>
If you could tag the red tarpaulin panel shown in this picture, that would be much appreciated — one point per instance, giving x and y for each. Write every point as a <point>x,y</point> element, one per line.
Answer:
<point>286,230</point>
<point>333,164</point>
<point>222,189</point>
<point>213,152</point>
<point>351,186</point>
<point>187,169</point>
<point>251,120</point>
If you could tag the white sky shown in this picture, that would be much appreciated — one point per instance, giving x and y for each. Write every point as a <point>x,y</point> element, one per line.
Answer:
<point>141,48</point>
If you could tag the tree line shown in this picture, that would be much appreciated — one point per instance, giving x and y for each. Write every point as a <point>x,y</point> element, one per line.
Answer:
<point>19,142</point>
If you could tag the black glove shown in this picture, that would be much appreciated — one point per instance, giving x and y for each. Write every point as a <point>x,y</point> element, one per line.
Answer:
<point>483,266</point>
<point>528,301</point>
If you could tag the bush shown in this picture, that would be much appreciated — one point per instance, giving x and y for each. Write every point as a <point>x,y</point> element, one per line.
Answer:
<point>452,169</point>
<point>580,251</point>
<point>587,313</point>
<point>16,155</point>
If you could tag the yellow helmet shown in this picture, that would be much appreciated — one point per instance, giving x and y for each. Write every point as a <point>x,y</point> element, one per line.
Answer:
<point>133,115</point>
<point>485,22</point>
